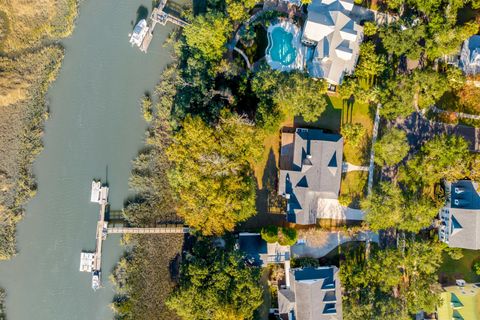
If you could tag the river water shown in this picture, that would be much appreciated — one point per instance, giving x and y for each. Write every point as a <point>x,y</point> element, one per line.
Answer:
<point>95,129</point>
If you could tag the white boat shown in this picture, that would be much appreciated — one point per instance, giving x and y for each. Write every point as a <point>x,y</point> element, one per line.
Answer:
<point>95,280</point>
<point>95,194</point>
<point>99,194</point>
<point>139,32</point>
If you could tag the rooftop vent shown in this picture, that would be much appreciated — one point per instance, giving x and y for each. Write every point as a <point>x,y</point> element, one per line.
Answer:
<point>459,190</point>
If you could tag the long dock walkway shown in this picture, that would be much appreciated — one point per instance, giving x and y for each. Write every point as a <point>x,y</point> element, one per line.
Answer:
<point>124,230</point>
<point>97,264</point>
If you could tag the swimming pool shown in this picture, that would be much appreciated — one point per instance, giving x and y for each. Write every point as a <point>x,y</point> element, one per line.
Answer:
<point>284,51</point>
<point>281,47</point>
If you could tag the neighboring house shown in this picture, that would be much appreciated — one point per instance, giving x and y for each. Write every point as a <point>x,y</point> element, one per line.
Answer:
<point>460,217</point>
<point>335,37</point>
<point>312,294</point>
<point>460,302</point>
<point>470,56</point>
<point>310,173</point>
<point>258,252</point>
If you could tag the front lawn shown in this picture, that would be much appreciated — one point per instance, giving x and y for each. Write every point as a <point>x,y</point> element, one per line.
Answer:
<point>352,188</point>
<point>451,270</point>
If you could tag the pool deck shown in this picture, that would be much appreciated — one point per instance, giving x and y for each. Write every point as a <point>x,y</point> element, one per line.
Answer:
<point>301,50</point>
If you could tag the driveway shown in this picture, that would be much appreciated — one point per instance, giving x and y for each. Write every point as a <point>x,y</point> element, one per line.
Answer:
<point>319,243</point>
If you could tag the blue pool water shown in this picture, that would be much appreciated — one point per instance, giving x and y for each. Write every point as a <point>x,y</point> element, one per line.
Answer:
<point>281,47</point>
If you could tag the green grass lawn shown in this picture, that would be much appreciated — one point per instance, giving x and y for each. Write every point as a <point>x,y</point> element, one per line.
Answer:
<point>338,113</point>
<point>352,188</point>
<point>451,269</point>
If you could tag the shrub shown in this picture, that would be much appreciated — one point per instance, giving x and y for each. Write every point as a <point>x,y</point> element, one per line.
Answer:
<point>353,133</point>
<point>454,253</point>
<point>147,108</point>
<point>476,267</point>
<point>288,237</point>
<point>344,200</point>
<point>270,234</point>
<point>370,28</point>
<point>305,262</point>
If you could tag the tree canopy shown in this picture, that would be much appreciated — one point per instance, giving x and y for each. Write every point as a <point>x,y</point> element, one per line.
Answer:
<point>429,87</point>
<point>400,40</point>
<point>391,148</point>
<point>215,284</point>
<point>353,133</point>
<point>423,88</point>
<point>392,284</point>
<point>370,64</point>
<point>389,207</point>
<point>299,94</point>
<point>447,40</point>
<point>238,9</point>
<point>207,35</point>
<point>283,95</point>
<point>212,175</point>
<point>443,157</point>
<point>397,97</point>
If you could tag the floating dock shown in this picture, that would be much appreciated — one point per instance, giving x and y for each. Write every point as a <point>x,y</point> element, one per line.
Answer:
<point>86,261</point>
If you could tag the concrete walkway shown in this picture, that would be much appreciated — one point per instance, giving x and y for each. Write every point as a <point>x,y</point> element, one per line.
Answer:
<point>317,244</point>
<point>348,167</point>
<point>244,57</point>
<point>457,114</point>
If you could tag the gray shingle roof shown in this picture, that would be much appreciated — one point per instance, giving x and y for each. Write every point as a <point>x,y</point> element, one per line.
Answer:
<point>465,215</point>
<point>316,174</point>
<point>314,294</point>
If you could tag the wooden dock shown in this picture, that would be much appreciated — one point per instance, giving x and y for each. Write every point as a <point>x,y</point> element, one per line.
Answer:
<point>97,264</point>
<point>161,17</point>
<point>92,262</point>
<point>166,229</point>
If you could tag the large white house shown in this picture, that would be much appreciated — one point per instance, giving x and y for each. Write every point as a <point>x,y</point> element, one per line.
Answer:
<point>470,56</point>
<point>460,217</point>
<point>335,38</point>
